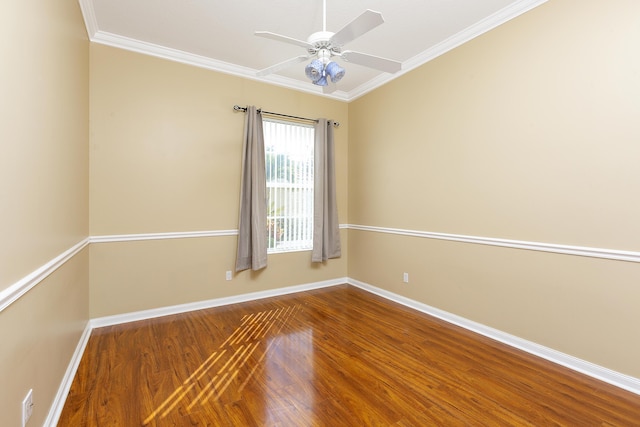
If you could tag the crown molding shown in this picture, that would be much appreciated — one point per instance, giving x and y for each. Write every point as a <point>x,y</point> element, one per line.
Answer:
<point>489,23</point>
<point>176,55</point>
<point>481,27</point>
<point>89,15</point>
<point>506,14</point>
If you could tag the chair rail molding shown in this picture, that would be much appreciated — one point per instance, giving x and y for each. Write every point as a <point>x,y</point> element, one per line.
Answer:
<point>612,254</point>
<point>161,236</point>
<point>11,294</point>
<point>22,286</point>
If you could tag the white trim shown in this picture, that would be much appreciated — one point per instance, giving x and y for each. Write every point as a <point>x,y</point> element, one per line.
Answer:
<point>11,294</point>
<point>15,291</point>
<point>63,390</point>
<point>161,236</point>
<point>611,254</point>
<point>176,55</point>
<point>199,305</point>
<point>89,15</point>
<point>500,17</point>
<point>617,379</point>
<point>587,368</point>
<point>67,380</point>
<point>171,235</point>
<point>489,23</point>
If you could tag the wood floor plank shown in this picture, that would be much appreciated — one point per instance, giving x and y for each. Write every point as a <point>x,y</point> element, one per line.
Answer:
<point>338,356</point>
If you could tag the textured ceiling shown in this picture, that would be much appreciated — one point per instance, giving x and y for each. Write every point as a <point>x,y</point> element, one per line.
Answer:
<point>219,35</point>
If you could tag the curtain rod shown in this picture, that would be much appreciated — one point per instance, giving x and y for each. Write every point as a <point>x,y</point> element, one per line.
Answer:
<point>244,109</point>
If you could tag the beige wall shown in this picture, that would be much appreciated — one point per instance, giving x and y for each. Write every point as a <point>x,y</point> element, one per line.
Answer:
<point>166,157</point>
<point>40,333</point>
<point>529,132</point>
<point>44,83</point>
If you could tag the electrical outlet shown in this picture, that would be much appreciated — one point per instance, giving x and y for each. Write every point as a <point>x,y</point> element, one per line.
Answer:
<point>229,275</point>
<point>27,407</point>
<point>405,277</point>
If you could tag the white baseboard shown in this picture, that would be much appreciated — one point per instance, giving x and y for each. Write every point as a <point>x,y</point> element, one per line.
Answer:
<point>67,380</point>
<point>617,379</point>
<point>609,376</point>
<point>59,401</point>
<point>199,305</point>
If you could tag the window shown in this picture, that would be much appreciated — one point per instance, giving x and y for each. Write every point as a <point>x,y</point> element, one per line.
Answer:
<point>289,151</point>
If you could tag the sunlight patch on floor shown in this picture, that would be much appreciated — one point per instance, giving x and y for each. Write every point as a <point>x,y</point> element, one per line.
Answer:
<point>261,329</point>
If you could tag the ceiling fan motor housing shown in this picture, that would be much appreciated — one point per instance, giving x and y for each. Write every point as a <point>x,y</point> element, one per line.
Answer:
<point>321,41</point>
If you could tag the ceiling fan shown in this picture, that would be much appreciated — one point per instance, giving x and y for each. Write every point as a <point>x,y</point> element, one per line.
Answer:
<point>322,46</point>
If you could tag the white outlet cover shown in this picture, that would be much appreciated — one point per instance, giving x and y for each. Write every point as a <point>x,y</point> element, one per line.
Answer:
<point>27,407</point>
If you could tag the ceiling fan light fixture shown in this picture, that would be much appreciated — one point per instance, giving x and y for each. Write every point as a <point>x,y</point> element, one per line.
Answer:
<point>335,71</point>
<point>322,81</point>
<point>314,70</point>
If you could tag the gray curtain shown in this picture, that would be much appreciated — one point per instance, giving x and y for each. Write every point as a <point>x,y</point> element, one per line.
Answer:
<point>252,227</point>
<point>326,230</point>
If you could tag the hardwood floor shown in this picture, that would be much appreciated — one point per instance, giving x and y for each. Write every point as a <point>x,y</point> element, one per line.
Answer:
<point>337,356</point>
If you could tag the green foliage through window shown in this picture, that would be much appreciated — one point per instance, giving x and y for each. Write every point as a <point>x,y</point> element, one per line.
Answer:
<point>289,170</point>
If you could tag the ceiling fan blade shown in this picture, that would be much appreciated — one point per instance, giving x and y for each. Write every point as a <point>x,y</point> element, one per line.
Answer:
<point>372,61</point>
<point>354,29</point>
<point>282,65</point>
<point>284,39</point>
